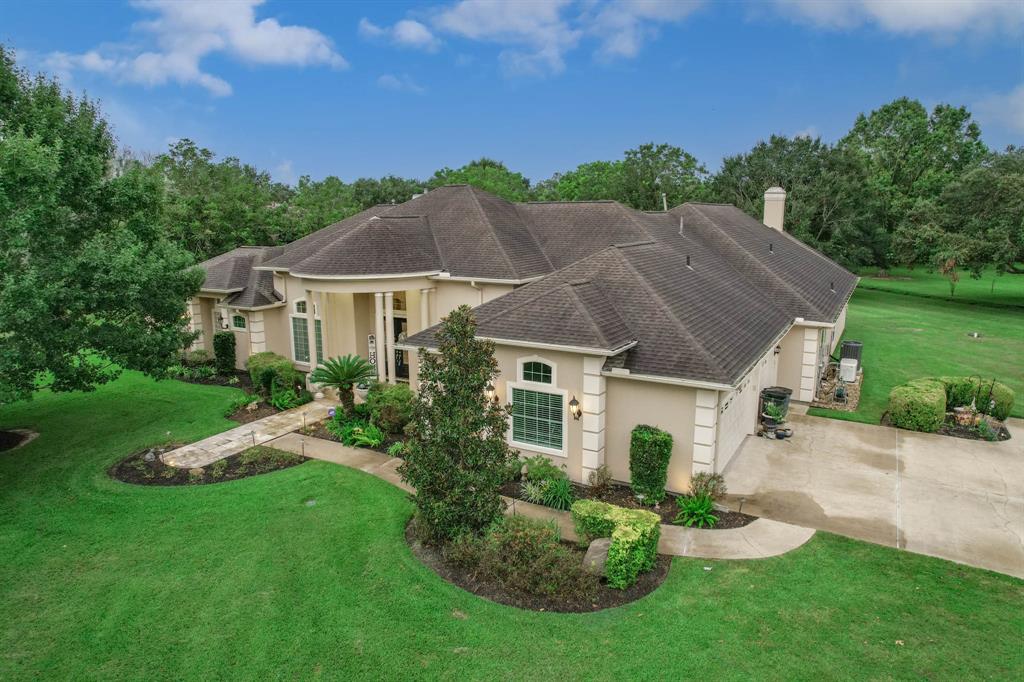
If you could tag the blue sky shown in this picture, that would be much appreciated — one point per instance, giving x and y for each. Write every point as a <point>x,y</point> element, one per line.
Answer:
<point>369,89</point>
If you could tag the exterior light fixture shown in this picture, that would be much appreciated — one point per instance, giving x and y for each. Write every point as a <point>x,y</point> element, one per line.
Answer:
<point>490,393</point>
<point>574,407</point>
<point>778,349</point>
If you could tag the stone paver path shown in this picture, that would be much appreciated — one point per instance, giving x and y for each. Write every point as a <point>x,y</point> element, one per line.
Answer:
<point>235,440</point>
<point>761,539</point>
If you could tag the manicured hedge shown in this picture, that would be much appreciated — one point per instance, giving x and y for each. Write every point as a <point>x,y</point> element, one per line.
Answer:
<point>390,406</point>
<point>265,368</point>
<point>918,406</point>
<point>224,352</point>
<point>962,390</point>
<point>921,405</point>
<point>650,449</point>
<point>634,534</point>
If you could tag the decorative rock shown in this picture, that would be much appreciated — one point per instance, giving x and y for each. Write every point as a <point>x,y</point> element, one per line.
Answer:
<point>198,471</point>
<point>597,556</point>
<point>253,406</point>
<point>149,456</point>
<point>319,395</point>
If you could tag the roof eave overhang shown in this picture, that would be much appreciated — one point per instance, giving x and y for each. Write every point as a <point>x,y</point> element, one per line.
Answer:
<point>221,291</point>
<point>675,381</point>
<point>485,280</point>
<point>533,344</point>
<point>395,275</point>
<point>259,307</point>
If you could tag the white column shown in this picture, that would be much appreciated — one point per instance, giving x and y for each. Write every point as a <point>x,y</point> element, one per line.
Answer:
<point>257,332</point>
<point>378,331</point>
<point>424,308</point>
<point>593,415</point>
<point>389,333</point>
<point>705,431</point>
<point>195,311</point>
<point>320,311</point>
<point>809,365</point>
<point>311,329</point>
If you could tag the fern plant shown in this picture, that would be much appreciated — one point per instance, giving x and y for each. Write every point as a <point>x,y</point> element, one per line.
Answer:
<point>696,511</point>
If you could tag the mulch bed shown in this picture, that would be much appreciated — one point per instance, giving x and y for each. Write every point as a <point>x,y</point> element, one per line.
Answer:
<point>622,496</point>
<point>244,415</point>
<point>11,439</point>
<point>826,392</point>
<point>320,431</point>
<point>951,428</point>
<point>145,468</point>
<point>606,597</point>
<point>244,380</point>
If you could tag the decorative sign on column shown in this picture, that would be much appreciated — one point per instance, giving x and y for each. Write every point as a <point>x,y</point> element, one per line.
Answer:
<point>371,342</point>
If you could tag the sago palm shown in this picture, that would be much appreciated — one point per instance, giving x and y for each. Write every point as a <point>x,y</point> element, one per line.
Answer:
<point>342,374</point>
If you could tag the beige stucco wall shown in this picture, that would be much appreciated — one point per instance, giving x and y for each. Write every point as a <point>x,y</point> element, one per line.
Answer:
<point>671,408</point>
<point>450,295</point>
<point>568,377</point>
<point>790,359</point>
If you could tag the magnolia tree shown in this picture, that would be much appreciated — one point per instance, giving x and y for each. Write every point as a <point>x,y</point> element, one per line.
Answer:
<point>457,457</point>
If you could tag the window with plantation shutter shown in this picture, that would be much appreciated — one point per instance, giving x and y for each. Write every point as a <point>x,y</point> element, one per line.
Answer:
<point>537,418</point>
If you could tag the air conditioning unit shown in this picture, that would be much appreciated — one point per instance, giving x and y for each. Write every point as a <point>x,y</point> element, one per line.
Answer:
<point>848,370</point>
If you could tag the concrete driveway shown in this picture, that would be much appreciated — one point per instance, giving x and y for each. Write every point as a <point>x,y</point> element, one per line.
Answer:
<point>948,497</point>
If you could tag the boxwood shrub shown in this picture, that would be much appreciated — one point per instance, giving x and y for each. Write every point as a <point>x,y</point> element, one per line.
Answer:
<point>266,369</point>
<point>650,449</point>
<point>919,405</point>
<point>634,534</point>
<point>224,352</point>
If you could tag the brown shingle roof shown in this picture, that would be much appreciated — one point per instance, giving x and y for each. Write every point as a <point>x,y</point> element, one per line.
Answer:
<point>233,273</point>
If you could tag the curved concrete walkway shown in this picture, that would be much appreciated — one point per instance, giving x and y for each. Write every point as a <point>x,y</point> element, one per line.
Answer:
<point>761,539</point>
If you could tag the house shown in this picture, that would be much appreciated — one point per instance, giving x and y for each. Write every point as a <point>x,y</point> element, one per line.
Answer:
<point>603,317</point>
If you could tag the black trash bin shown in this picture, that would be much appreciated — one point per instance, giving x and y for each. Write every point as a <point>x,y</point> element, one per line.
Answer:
<point>779,395</point>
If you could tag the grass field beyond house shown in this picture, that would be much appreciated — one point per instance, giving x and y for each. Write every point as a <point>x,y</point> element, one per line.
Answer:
<point>304,573</point>
<point>991,288</point>
<point>910,336</point>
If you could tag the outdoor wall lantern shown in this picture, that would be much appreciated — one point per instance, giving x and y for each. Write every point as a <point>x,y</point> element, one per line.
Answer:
<point>574,407</point>
<point>490,393</point>
<point>778,349</point>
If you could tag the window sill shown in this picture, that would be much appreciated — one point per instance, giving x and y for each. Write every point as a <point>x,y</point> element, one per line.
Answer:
<point>540,449</point>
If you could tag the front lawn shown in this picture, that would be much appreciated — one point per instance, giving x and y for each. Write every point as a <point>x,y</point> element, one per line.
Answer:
<point>908,336</point>
<point>304,573</point>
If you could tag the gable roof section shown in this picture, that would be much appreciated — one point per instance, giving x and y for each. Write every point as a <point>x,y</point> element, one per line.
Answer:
<point>379,246</point>
<point>233,273</point>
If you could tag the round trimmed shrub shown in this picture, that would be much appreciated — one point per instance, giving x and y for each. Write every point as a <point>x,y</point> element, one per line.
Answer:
<point>268,369</point>
<point>390,406</point>
<point>919,405</point>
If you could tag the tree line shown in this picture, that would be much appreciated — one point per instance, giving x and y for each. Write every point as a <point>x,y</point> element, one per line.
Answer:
<point>95,244</point>
<point>904,186</point>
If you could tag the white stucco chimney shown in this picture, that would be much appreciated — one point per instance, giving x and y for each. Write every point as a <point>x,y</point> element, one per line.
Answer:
<point>774,207</point>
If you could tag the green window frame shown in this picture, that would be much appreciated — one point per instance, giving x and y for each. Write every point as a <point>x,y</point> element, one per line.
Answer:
<point>537,372</point>
<point>300,340</point>
<point>537,418</point>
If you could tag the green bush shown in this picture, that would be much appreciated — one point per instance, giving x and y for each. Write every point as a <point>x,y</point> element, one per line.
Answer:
<point>355,432</point>
<point>558,494</point>
<point>224,352</point>
<point>650,449</point>
<point>200,356</point>
<point>524,555</point>
<point>390,406</point>
<point>703,483</point>
<point>396,449</point>
<point>634,534</point>
<point>918,406</point>
<point>240,402</point>
<point>961,391</point>
<point>288,398</point>
<point>540,469</point>
<point>266,369</point>
<point>696,511</point>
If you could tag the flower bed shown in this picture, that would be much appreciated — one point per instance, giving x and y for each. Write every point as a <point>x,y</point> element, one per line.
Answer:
<point>514,573</point>
<point>146,468</point>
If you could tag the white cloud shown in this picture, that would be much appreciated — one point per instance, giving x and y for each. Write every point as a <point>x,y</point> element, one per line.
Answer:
<point>623,26</point>
<point>809,132</point>
<point>534,33</point>
<point>401,83</point>
<point>186,31</point>
<point>285,172</point>
<point>405,33</point>
<point>1005,109</point>
<point>912,16</point>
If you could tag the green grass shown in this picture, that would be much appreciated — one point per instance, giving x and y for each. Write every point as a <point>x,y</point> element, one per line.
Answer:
<point>991,289</point>
<point>907,337</point>
<point>245,580</point>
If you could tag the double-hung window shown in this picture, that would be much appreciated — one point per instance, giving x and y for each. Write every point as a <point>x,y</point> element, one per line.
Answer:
<point>538,416</point>
<point>300,334</point>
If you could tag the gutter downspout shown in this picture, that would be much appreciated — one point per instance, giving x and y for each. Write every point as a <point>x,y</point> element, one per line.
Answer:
<point>473,284</point>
